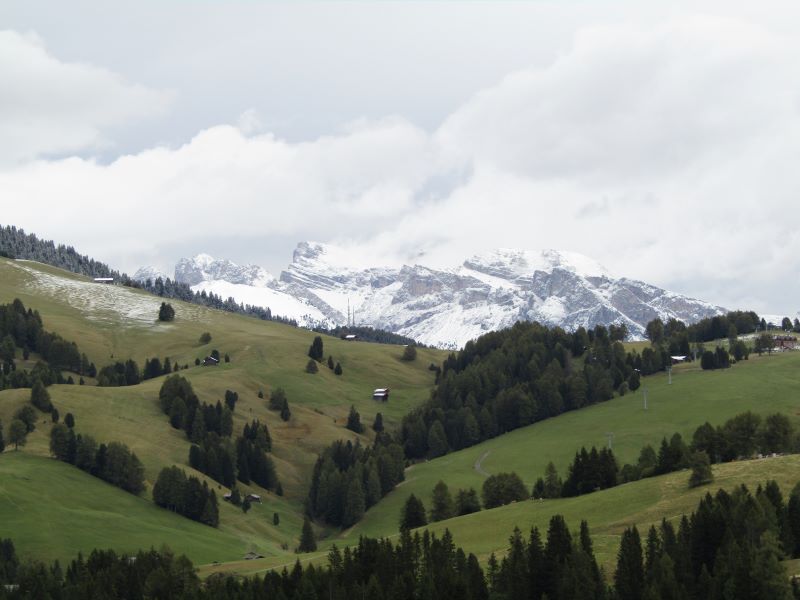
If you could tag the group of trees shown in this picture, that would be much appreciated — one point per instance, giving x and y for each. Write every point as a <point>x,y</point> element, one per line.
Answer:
<point>348,479</point>
<point>280,403</point>
<point>729,547</point>
<point>368,334</point>
<point>210,429</point>
<point>114,463</point>
<point>166,312</point>
<point>514,377</point>
<point>125,373</point>
<point>186,496</point>
<point>443,506</point>
<point>23,328</point>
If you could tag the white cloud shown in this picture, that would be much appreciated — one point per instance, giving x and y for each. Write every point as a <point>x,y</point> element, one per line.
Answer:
<point>49,107</point>
<point>666,152</point>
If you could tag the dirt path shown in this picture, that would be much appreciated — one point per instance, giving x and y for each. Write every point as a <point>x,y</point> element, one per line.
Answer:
<point>478,463</point>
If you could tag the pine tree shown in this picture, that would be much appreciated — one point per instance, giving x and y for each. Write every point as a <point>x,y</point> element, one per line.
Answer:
<point>629,577</point>
<point>285,412</point>
<point>442,506</point>
<point>409,353</point>
<point>311,366</point>
<point>308,542</point>
<point>377,424</point>
<point>17,434</point>
<point>354,503</point>
<point>330,362</point>
<point>354,421</point>
<point>69,420</point>
<point>413,515</point>
<point>552,482</point>
<point>246,504</point>
<point>40,397</point>
<point>701,470</point>
<point>166,312</point>
<point>338,369</point>
<point>315,350</point>
<point>276,519</point>
<point>437,440</point>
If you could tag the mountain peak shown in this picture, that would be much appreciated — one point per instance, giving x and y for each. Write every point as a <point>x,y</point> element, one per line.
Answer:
<point>204,267</point>
<point>510,263</point>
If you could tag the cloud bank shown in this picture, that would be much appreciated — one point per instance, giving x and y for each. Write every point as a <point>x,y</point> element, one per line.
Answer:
<point>666,152</point>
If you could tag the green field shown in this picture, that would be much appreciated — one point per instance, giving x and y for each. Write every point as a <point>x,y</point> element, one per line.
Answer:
<point>763,384</point>
<point>110,323</point>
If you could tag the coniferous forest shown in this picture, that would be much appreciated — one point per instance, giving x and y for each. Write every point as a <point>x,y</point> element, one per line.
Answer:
<point>730,547</point>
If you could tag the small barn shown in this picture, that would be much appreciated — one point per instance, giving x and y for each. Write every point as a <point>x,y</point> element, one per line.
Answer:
<point>104,280</point>
<point>381,394</point>
<point>210,361</point>
<point>350,337</point>
<point>252,556</point>
<point>254,498</point>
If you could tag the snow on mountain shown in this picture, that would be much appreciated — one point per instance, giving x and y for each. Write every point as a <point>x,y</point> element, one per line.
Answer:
<point>206,268</point>
<point>327,285</point>
<point>151,273</point>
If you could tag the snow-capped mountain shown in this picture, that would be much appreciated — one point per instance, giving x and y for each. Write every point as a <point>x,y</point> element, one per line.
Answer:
<point>151,273</point>
<point>444,307</point>
<point>206,268</point>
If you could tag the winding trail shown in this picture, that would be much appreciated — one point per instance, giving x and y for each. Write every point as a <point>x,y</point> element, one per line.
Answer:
<point>478,463</point>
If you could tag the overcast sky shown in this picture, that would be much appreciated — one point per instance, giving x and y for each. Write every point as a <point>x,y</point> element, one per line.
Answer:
<point>661,140</point>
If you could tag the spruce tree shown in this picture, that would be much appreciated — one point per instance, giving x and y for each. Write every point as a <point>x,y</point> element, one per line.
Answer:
<point>701,470</point>
<point>629,577</point>
<point>276,519</point>
<point>354,503</point>
<point>338,369</point>
<point>437,440</point>
<point>330,362</point>
<point>315,350</point>
<point>377,424</point>
<point>413,514</point>
<point>311,366</point>
<point>40,397</point>
<point>308,542</point>
<point>552,482</point>
<point>442,506</point>
<point>354,421</point>
<point>166,312</point>
<point>17,434</point>
<point>69,420</point>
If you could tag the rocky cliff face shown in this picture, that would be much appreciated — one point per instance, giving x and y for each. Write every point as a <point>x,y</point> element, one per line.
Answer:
<point>445,307</point>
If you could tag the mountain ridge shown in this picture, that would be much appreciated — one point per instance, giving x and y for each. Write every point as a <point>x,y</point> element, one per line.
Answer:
<point>326,286</point>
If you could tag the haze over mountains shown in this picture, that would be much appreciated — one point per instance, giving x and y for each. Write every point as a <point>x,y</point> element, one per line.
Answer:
<point>328,286</point>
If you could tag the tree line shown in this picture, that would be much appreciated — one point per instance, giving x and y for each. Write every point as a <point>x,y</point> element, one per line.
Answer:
<point>186,496</point>
<point>512,378</point>
<point>113,462</point>
<point>740,437</point>
<point>730,546</point>
<point>209,427</point>
<point>348,479</point>
<point>23,328</point>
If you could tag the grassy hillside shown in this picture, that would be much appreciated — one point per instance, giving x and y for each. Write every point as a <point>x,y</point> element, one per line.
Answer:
<point>53,510</point>
<point>111,322</point>
<point>608,512</point>
<point>764,385</point>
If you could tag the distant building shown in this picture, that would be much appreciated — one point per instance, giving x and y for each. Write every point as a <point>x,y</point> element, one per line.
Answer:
<point>784,342</point>
<point>381,394</point>
<point>252,556</point>
<point>350,337</point>
<point>210,361</point>
<point>104,280</point>
<point>677,359</point>
<point>254,498</point>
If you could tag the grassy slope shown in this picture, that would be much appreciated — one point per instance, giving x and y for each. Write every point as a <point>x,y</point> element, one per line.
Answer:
<point>52,510</point>
<point>764,385</point>
<point>110,322</point>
